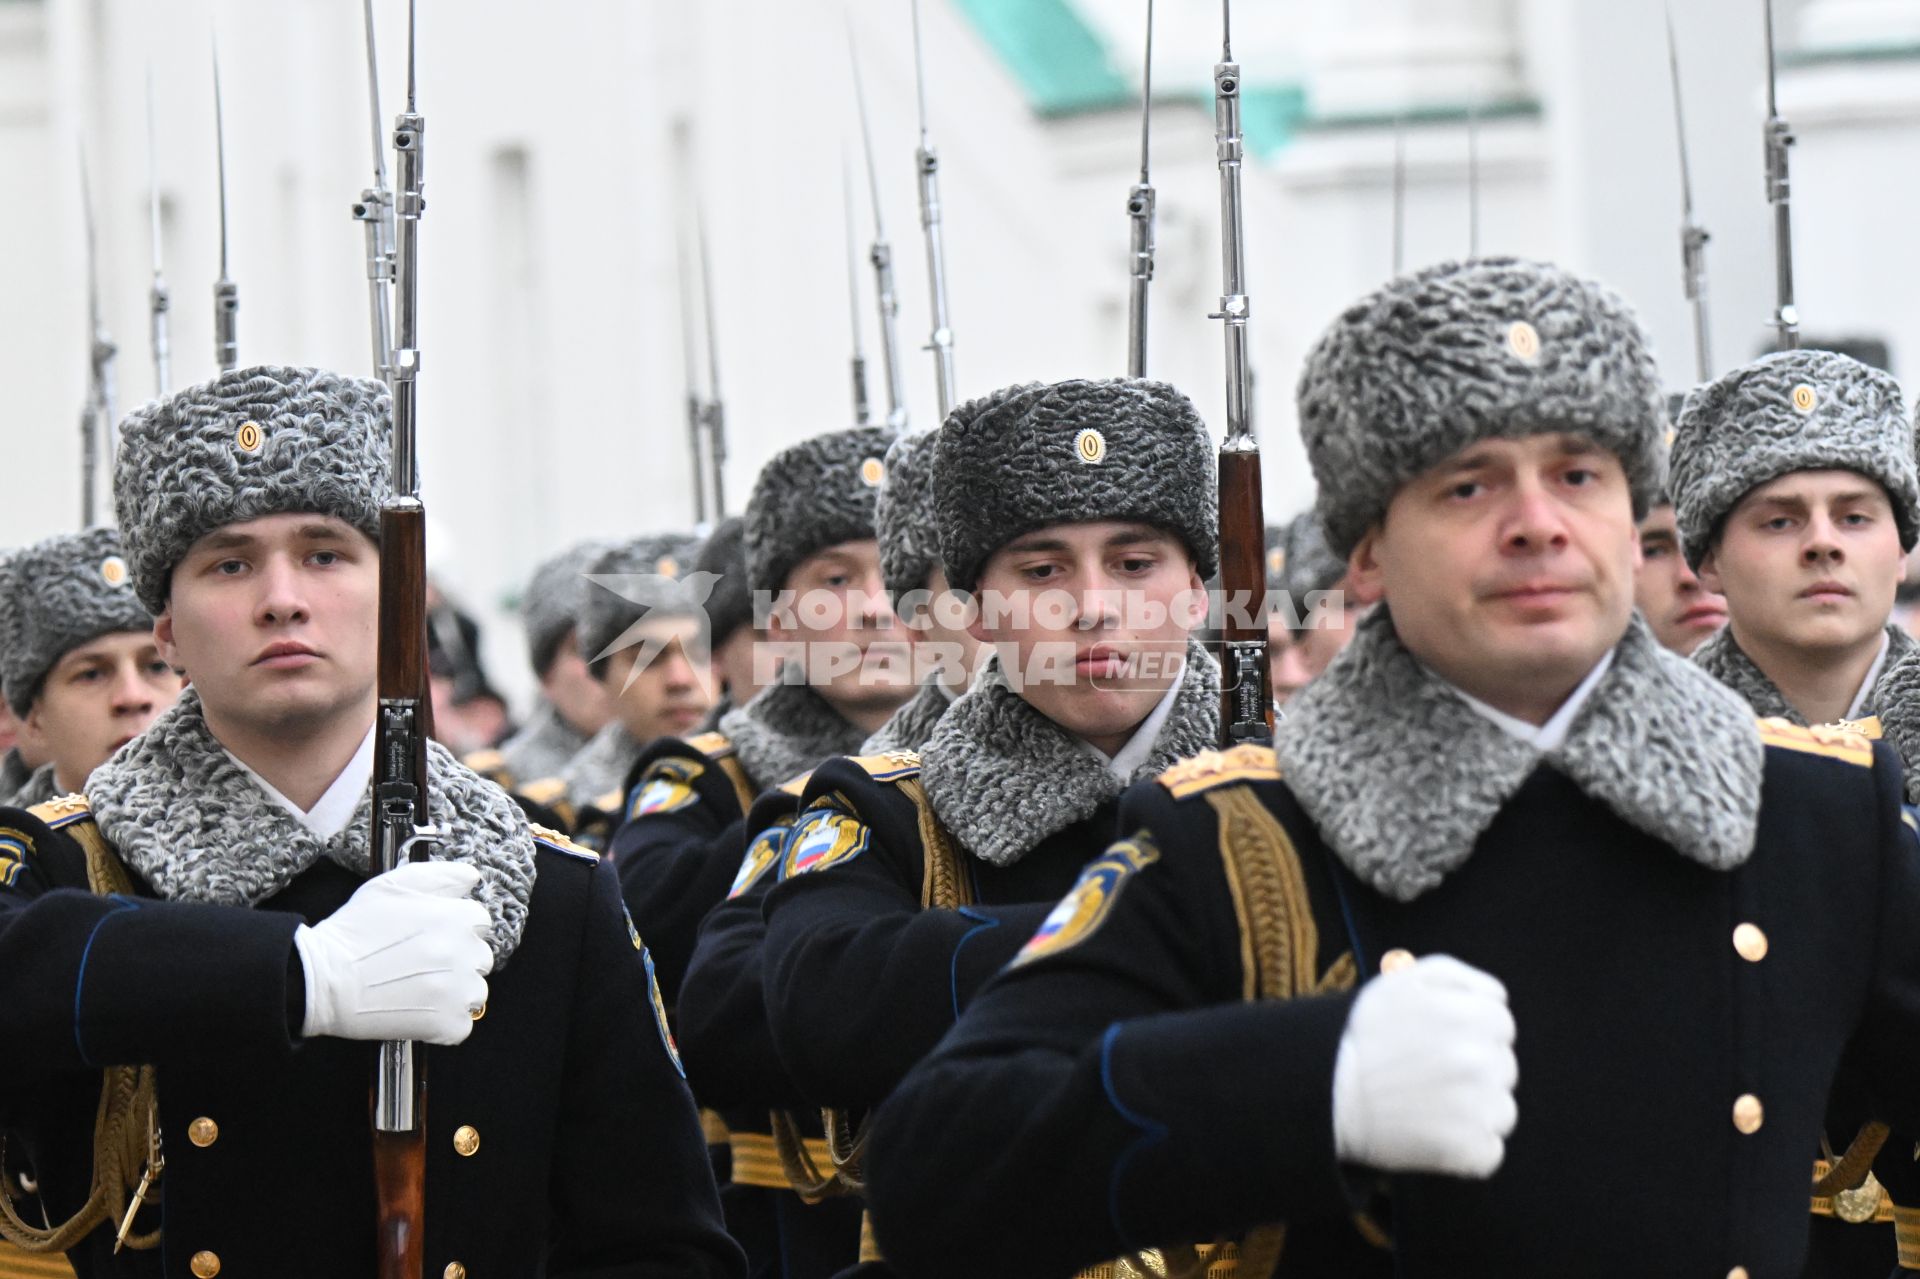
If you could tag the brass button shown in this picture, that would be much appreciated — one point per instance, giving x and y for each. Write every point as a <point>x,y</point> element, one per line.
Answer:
<point>466,1139</point>
<point>1750,942</point>
<point>205,1265</point>
<point>1748,1114</point>
<point>454,1270</point>
<point>1394,960</point>
<point>203,1132</point>
<point>480,1012</point>
<point>1738,1272</point>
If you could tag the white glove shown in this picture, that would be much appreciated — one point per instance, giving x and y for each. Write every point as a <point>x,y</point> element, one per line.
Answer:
<point>404,958</point>
<point>1424,1078</point>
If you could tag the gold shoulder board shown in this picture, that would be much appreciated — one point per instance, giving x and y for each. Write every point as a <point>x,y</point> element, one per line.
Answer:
<point>712,745</point>
<point>62,810</point>
<point>548,791</point>
<point>1835,743</point>
<point>1217,768</point>
<point>893,766</point>
<point>560,843</point>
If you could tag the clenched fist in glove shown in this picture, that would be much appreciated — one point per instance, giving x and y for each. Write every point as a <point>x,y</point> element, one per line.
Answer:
<point>1424,1077</point>
<point>405,958</point>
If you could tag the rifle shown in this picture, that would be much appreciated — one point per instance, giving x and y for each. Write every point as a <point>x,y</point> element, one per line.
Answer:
<point>1473,181</point>
<point>1247,713</point>
<point>159,298</point>
<point>1777,137</point>
<point>226,294</point>
<point>928,165</point>
<point>374,212</point>
<point>1140,209</point>
<point>405,719</point>
<point>881,255</point>
<point>97,418</point>
<point>1693,236</point>
<point>1399,194</point>
<point>862,408</point>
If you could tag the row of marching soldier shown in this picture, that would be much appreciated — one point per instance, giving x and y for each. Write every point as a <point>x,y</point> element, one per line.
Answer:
<point>892,880</point>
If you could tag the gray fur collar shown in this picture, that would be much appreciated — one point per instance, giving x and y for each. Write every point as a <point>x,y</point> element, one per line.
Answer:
<point>602,764</point>
<point>37,789</point>
<point>1002,777</point>
<point>198,828</point>
<point>1402,777</point>
<point>786,730</point>
<point>909,727</point>
<point>14,775</point>
<point>543,747</point>
<point>1723,659</point>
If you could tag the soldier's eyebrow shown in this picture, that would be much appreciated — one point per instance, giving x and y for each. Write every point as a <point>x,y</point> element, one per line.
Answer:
<point>1657,537</point>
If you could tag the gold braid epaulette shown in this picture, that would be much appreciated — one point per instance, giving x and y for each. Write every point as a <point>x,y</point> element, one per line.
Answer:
<point>1847,743</point>
<point>1216,768</point>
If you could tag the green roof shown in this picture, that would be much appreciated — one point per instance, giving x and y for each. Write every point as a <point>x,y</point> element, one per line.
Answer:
<point>1060,61</point>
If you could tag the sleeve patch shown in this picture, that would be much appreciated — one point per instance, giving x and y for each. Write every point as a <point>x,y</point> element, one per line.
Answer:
<point>1087,906</point>
<point>659,1004</point>
<point>764,852</point>
<point>667,788</point>
<point>823,838</point>
<point>14,847</point>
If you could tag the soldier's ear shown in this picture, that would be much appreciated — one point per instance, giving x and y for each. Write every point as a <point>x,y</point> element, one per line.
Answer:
<point>163,640</point>
<point>1709,571</point>
<point>1366,581</point>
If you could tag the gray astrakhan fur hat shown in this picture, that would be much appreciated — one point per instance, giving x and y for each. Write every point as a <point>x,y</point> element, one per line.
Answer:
<point>1437,360</point>
<point>632,580</point>
<point>1026,457</point>
<point>253,442</point>
<point>1784,412</point>
<point>724,554</point>
<point>556,594</point>
<point>1307,563</point>
<point>909,542</point>
<point>816,494</point>
<point>60,594</point>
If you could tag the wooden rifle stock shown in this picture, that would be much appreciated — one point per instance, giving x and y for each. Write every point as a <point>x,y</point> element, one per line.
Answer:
<point>1246,712</point>
<point>402,726</point>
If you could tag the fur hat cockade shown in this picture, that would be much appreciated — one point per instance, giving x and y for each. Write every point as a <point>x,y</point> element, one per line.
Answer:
<point>555,596</point>
<point>1784,412</point>
<point>909,542</point>
<point>647,577</point>
<point>60,594</point>
<point>724,554</point>
<point>1466,351</point>
<point>1026,457</point>
<point>816,494</point>
<point>253,442</point>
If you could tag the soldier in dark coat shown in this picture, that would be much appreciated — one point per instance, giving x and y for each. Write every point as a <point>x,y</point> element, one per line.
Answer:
<point>1526,942</point>
<point>200,925</point>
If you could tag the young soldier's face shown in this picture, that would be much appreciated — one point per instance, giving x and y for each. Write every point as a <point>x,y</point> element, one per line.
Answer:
<point>96,699</point>
<point>275,621</point>
<point>1809,561</point>
<point>855,650</point>
<point>672,693</point>
<point>1682,612</point>
<point>569,685</point>
<point>1508,568</point>
<point>1091,622</point>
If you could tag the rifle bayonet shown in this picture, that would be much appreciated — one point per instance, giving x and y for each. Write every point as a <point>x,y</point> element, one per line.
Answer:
<point>159,298</point>
<point>928,165</point>
<point>862,407</point>
<point>1778,136</point>
<point>226,294</point>
<point>97,419</point>
<point>374,212</point>
<point>1693,236</point>
<point>715,416</point>
<point>1140,210</point>
<point>880,254</point>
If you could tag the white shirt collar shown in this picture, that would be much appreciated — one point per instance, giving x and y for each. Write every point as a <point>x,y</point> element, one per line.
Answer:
<point>1873,677</point>
<point>1140,746</point>
<point>1552,735</point>
<point>333,811</point>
